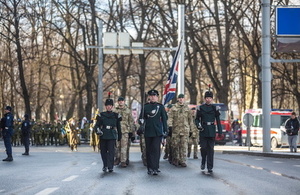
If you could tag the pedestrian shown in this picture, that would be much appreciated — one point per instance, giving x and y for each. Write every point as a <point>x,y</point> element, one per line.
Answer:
<point>7,131</point>
<point>181,123</point>
<point>127,123</point>
<point>292,129</point>
<point>109,128</point>
<point>155,119</point>
<point>207,118</point>
<point>25,128</point>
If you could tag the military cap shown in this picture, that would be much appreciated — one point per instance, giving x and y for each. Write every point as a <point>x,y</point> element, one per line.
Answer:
<point>8,108</point>
<point>121,99</point>
<point>109,102</point>
<point>181,96</point>
<point>208,94</point>
<point>153,92</point>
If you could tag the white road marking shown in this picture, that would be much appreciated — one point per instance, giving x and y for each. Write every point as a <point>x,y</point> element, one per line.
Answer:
<point>296,165</point>
<point>259,159</point>
<point>277,162</point>
<point>71,178</point>
<point>86,169</point>
<point>47,191</point>
<point>94,163</point>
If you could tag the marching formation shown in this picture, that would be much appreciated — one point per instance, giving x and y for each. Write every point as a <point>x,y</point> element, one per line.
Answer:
<point>177,127</point>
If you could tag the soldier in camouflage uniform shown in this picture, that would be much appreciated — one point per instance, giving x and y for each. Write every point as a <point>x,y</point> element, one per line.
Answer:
<point>181,124</point>
<point>73,134</point>
<point>16,138</point>
<point>37,130</point>
<point>94,138</point>
<point>194,138</point>
<point>122,146</point>
<point>168,139</point>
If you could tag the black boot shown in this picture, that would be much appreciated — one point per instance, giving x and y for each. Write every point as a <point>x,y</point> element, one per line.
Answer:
<point>9,158</point>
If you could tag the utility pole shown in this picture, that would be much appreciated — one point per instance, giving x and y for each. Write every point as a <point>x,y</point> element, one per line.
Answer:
<point>181,35</point>
<point>266,75</point>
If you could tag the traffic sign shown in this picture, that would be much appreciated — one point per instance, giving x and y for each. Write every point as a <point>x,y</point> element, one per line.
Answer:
<point>248,119</point>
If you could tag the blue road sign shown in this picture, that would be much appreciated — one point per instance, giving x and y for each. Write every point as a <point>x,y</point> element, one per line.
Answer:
<point>288,21</point>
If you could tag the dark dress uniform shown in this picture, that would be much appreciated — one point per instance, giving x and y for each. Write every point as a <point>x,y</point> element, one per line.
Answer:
<point>25,128</point>
<point>7,132</point>
<point>109,124</point>
<point>207,118</point>
<point>155,117</point>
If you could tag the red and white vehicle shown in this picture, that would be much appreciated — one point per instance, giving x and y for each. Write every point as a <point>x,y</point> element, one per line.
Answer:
<point>277,131</point>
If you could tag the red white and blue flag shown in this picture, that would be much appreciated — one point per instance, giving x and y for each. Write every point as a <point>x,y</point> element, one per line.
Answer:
<point>170,87</point>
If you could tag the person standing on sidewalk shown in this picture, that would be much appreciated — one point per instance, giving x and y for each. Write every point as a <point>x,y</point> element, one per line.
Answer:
<point>7,132</point>
<point>207,118</point>
<point>292,129</point>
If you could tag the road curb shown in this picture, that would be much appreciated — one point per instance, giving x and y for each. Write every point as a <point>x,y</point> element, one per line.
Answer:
<point>268,154</point>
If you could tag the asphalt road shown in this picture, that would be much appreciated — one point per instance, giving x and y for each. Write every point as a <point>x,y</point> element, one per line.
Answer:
<point>57,170</point>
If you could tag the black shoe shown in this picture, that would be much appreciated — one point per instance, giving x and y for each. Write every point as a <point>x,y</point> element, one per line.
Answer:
<point>26,153</point>
<point>149,172</point>
<point>158,171</point>
<point>202,167</point>
<point>210,170</point>
<point>110,170</point>
<point>9,159</point>
<point>104,169</point>
<point>155,172</point>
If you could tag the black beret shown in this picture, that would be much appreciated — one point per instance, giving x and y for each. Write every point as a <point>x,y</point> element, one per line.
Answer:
<point>121,99</point>
<point>109,102</point>
<point>8,108</point>
<point>153,92</point>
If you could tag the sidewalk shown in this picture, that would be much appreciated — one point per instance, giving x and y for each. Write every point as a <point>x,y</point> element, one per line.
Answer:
<point>257,151</point>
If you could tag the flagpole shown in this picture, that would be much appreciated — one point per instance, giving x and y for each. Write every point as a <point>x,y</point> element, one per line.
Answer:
<point>181,38</point>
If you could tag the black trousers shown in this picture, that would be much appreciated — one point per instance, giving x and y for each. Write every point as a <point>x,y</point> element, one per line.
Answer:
<point>26,143</point>
<point>107,150</point>
<point>153,152</point>
<point>207,151</point>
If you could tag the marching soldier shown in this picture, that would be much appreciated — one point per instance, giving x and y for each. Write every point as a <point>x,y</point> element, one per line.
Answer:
<point>155,118</point>
<point>168,139</point>
<point>181,124</point>
<point>7,123</point>
<point>194,138</point>
<point>122,147</point>
<point>73,140</point>
<point>206,120</point>
<point>94,138</point>
<point>109,127</point>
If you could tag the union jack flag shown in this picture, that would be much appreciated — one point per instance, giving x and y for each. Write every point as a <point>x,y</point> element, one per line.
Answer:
<point>170,87</point>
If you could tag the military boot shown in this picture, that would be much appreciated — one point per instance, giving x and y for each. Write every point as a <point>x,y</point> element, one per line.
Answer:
<point>165,156</point>
<point>123,164</point>
<point>117,161</point>
<point>9,158</point>
<point>188,154</point>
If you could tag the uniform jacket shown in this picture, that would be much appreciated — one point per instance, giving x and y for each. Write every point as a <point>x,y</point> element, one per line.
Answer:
<point>8,121</point>
<point>25,128</point>
<point>155,117</point>
<point>109,123</point>
<point>181,120</point>
<point>127,120</point>
<point>208,113</point>
<point>292,126</point>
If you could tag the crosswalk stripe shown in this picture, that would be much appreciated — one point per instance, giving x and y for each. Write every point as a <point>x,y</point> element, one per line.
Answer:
<point>47,191</point>
<point>71,178</point>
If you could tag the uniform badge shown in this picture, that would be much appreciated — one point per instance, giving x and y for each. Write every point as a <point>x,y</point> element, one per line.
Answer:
<point>153,111</point>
